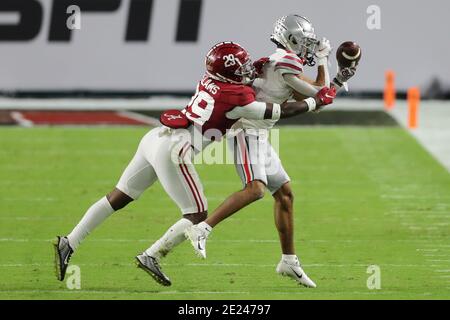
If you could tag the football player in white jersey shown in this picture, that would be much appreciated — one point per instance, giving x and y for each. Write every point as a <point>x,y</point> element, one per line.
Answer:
<point>257,163</point>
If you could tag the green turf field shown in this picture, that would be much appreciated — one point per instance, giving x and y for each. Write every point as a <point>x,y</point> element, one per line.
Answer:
<point>364,196</point>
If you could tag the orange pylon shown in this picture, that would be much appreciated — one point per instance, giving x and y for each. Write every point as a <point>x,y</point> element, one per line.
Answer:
<point>389,90</point>
<point>413,97</point>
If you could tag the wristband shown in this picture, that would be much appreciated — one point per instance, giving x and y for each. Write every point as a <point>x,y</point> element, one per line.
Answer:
<point>276,111</point>
<point>337,82</point>
<point>322,61</point>
<point>311,102</point>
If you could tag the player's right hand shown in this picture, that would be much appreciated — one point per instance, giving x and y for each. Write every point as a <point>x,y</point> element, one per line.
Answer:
<point>323,49</point>
<point>325,96</point>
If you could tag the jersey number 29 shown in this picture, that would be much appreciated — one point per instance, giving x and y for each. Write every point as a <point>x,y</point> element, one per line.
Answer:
<point>200,107</point>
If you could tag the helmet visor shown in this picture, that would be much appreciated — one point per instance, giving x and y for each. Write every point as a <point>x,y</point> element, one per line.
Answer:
<point>307,45</point>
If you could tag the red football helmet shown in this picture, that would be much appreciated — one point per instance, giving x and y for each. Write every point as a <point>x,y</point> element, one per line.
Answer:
<point>229,62</point>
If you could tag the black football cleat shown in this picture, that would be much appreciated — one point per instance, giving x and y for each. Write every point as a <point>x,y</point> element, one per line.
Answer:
<point>63,252</point>
<point>152,267</point>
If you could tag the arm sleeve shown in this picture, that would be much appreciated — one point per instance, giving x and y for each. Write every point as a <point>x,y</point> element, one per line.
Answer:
<point>254,111</point>
<point>301,86</point>
<point>327,75</point>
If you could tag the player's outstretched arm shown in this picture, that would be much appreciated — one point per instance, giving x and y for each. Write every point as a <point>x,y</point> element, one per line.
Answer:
<point>323,97</point>
<point>260,110</point>
<point>322,79</point>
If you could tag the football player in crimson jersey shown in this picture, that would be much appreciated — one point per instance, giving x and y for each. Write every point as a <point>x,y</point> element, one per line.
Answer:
<point>257,163</point>
<point>223,96</point>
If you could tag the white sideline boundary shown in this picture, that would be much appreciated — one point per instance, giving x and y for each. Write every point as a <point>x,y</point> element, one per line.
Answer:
<point>433,131</point>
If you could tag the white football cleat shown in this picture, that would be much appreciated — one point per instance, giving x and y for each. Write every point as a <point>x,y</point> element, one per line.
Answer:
<point>295,271</point>
<point>197,235</point>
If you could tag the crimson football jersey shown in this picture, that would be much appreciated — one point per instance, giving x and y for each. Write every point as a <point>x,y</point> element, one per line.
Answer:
<point>213,99</point>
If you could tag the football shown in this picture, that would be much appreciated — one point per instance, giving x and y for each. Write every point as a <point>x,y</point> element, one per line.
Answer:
<point>348,54</point>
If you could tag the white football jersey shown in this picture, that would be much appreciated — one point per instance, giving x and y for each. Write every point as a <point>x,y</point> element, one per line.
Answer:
<point>271,87</point>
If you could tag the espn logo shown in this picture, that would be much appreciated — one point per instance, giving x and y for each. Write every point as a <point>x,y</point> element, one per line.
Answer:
<point>137,25</point>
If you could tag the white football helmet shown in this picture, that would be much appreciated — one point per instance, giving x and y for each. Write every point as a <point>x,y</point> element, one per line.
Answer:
<point>296,33</point>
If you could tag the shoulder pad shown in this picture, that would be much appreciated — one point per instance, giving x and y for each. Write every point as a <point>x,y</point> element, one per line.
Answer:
<point>289,63</point>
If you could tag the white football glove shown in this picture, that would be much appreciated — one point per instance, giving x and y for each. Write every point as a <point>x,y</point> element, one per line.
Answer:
<point>345,74</point>
<point>323,51</point>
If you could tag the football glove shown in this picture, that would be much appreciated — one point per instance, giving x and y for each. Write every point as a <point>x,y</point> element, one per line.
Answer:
<point>323,51</point>
<point>259,64</point>
<point>325,96</point>
<point>343,75</point>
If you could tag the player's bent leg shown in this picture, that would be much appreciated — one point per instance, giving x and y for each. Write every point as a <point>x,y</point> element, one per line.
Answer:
<point>198,234</point>
<point>150,258</point>
<point>65,246</point>
<point>249,164</point>
<point>182,183</point>
<point>137,177</point>
<point>118,199</point>
<point>94,216</point>
<point>253,191</point>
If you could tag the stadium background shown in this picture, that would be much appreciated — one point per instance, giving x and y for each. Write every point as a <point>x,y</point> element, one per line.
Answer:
<point>369,190</point>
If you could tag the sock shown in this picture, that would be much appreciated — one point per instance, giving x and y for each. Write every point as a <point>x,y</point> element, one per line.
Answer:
<point>206,227</point>
<point>94,216</point>
<point>173,237</point>
<point>289,258</point>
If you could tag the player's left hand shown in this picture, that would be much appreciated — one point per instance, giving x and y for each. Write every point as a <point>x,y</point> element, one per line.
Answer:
<point>259,64</point>
<point>345,74</point>
<point>323,49</point>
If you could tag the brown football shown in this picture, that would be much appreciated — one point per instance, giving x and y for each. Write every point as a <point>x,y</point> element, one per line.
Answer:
<point>348,54</point>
